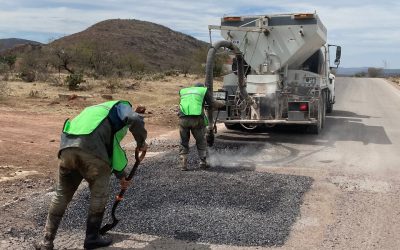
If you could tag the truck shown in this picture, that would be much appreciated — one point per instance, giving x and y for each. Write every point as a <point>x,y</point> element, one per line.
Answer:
<point>281,72</point>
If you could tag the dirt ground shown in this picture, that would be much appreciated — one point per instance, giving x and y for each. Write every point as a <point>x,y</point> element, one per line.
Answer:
<point>348,207</point>
<point>31,119</point>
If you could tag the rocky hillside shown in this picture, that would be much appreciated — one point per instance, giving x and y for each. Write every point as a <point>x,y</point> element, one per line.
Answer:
<point>10,43</point>
<point>159,47</point>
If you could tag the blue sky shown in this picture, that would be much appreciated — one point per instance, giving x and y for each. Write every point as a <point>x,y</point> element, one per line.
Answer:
<point>369,31</point>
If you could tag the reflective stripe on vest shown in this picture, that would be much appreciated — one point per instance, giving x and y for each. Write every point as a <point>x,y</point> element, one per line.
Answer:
<point>89,119</point>
<point>191,102</point>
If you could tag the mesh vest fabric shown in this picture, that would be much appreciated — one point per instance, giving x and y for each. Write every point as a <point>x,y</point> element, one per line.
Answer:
<point>89,119</point>
<point>191,100</point>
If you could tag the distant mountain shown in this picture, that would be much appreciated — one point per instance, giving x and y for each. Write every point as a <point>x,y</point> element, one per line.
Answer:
<point>157,46</point>
<point>10,43</point>
<point>353,71</point>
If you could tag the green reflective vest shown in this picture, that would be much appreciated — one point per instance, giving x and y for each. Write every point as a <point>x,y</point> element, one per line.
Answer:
<point>192,99</point>
<point>89,119</point>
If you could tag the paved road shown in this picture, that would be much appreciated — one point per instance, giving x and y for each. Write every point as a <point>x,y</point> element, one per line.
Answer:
<point>354,202</point>
<point>361,134</point>
<point>339,189</point>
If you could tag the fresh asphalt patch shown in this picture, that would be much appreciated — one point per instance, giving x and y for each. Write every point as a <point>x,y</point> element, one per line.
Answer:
<point>221,205</point>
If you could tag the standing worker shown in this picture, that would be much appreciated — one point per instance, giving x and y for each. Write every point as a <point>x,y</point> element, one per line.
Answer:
<point>192,119</point>
<point>90,149</point>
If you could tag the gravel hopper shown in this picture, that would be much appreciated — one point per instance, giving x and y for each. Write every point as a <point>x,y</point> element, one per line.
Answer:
<point>281,72</point>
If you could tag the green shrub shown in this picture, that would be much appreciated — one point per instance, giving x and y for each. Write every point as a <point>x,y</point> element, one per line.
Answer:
<point>172,72</point>
<point>360,74</point>
<point>113,84</point>
<point>34,94</point>
<point>154,77</point>
<point>27,75</point>
<point>74,80</point>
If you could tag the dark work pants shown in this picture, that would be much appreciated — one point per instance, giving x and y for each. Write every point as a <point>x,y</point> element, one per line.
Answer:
<point>195,125</point>
<point>76,165</point>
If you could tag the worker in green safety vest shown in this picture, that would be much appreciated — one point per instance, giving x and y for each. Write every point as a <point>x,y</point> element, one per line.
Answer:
<point>193,120</point>
<point>90,149</point>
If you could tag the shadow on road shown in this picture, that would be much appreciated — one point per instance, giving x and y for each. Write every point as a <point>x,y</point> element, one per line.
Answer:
<point>339,126</point>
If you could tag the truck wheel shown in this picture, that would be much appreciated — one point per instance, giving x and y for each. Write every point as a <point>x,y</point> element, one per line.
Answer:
<point>324,107</point>
<point>317,128</point>
<point>329,105</point>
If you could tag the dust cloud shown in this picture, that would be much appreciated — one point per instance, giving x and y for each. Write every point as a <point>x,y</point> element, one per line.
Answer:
<point>247,155</point>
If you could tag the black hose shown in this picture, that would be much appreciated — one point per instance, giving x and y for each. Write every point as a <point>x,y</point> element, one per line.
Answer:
<point>209,80</point>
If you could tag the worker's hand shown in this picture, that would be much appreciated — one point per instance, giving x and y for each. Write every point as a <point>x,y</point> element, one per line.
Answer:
<point>124,183</point>
<point>218,104</point>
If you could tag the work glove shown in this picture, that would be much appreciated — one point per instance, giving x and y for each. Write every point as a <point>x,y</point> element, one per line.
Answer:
<point>217,104</point>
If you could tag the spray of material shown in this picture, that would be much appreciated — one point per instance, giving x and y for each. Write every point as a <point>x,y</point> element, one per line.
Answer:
<point>247,155</point>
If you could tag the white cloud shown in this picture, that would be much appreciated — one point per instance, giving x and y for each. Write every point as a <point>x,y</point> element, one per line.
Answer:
<point>357,25</point>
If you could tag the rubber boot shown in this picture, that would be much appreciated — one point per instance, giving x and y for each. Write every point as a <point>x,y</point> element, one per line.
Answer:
<point>93,240</point>
<point>183,162</point>
<point>50,230</point>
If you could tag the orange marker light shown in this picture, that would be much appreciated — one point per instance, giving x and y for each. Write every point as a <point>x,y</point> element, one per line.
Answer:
<point>232,19</point>
<point>304,16</point>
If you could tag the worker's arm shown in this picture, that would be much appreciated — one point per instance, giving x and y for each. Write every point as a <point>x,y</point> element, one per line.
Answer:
<point>208,98</point>
<point>135,123</point>
<point>136,127</point>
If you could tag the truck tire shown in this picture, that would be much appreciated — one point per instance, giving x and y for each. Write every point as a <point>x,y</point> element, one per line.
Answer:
<point>317,128</point>
<point>329,105</point>
<point>324,107</point>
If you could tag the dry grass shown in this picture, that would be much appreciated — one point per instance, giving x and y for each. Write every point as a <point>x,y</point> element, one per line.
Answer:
<point>4,89</point>
<point>395,80</point>
<point>159,96</point>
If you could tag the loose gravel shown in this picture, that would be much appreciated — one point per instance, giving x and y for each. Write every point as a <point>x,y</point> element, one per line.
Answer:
<point>221,205</point>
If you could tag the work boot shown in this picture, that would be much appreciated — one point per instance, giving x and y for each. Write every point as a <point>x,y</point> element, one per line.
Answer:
<point>93,240</point>
<point>183,162</point>
<point>203,163</point>
<point>45,244</point>
<point>50,230</point>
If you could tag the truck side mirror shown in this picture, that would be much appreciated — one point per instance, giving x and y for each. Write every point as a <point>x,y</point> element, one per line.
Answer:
<point>338,55</point>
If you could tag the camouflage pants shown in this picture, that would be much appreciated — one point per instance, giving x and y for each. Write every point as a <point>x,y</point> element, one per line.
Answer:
<point>195,125</point>
<point>76,165</point>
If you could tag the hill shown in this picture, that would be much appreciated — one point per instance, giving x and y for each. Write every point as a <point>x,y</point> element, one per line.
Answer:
<point>10,43</point>
<point>158,47</point>
<point>353,71</point>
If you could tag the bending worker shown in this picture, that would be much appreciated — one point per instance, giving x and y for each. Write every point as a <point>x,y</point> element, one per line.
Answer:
<point>90,149</point>
<point>192,119</point>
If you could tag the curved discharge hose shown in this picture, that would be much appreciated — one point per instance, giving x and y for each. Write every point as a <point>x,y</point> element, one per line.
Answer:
<point>209,81</point>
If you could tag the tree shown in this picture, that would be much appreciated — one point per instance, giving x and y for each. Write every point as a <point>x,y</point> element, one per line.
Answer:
<point>29,66</point>
<point>9,60</point>
<point>130,63</point>
<point>64,61</point>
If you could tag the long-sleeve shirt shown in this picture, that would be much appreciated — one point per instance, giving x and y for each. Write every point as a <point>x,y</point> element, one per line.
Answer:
<point>100,141</point>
